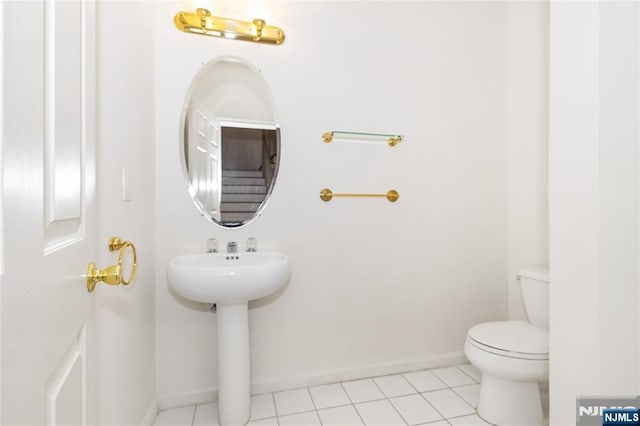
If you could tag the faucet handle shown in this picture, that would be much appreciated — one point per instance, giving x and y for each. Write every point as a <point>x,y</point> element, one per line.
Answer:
<point>212,245</point>
<point>252,244</point>
<point>232,247</point>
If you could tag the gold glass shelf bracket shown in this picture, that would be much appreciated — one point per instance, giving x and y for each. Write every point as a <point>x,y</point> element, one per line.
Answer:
<point>390,139</point>
<point>204,23</point>
<point>327,137</point>
<point>113,275</point>
<point>327,195</point>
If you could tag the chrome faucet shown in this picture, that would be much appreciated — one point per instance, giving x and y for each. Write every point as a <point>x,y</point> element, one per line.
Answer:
<point>212,245</point>
<point>232,247</point>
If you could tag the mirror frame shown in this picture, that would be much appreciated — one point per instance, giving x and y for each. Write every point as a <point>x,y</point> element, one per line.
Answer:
<point>230,122</point>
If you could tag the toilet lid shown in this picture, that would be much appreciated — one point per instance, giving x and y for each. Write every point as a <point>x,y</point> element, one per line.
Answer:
<point>512,336</point>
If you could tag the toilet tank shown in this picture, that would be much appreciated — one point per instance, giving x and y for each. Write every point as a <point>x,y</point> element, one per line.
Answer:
<point>535,294</point>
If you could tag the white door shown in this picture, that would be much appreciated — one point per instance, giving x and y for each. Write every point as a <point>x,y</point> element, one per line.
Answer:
<point>49,214</point>
<point>205,167</point>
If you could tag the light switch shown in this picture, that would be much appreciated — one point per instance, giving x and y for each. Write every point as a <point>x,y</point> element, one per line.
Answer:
<point>126,185</point>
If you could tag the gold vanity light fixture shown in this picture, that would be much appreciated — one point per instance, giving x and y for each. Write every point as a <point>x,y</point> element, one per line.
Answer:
<point>112,275</point>
<point>326,195</point>
<point>391,139</point>
<point>204,23</point>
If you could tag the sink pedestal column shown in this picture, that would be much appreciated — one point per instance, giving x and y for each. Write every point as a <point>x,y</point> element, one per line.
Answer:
<point>234,381</point>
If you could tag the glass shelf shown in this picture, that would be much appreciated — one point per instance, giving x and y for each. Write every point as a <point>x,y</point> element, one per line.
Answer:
<point>390,139</point>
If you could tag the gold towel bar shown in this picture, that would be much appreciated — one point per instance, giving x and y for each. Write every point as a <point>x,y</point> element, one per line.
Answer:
<point>326,195</point>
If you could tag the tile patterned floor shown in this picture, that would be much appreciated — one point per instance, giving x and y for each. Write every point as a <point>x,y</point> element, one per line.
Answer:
<point>441,396</point>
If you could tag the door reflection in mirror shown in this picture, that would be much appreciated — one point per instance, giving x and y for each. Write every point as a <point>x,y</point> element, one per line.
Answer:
<point>202,157</point>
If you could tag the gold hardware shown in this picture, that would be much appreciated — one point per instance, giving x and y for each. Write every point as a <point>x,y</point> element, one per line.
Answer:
<point>203,14</point>
<point>112,275</point>
<point>259,24</point>
<point>391,140</point>
<point>327,137</point>
<point>392,195</point>
<point>202,22</point>
<point>394,140</point>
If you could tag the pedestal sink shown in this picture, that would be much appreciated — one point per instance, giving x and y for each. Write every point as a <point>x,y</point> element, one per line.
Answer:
<point>230,280</point>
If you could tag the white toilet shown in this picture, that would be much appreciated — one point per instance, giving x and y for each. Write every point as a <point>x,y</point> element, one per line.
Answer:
<point>513,357</point>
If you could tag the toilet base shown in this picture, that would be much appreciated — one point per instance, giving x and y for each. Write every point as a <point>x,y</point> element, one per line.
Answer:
<point>507,403</point>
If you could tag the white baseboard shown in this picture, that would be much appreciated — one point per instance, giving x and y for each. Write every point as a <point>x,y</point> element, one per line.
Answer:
<point>265,385</point>
<point>187,398</point>
<point>151,415</point>
<point>356,372</point>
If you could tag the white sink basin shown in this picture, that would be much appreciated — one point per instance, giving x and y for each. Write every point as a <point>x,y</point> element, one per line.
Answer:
<point>228,278</point>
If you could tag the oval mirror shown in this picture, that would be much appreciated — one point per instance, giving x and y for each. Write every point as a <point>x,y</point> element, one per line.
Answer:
<point>230,141</point>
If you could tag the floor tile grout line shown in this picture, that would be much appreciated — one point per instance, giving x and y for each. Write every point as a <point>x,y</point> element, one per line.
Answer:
<point>275,407</point>
<point>301,412</point>
<point>346,393</point>
<point>403,378</point>
<point>315,409</point>
<point>463,398</point>
<point>311,398</point>
<point>387,398</point>
<point>352,403</point>
<point>433,406</point>
<point>390,375</point>
<point>433,422</point>
<point>367,400</point>
<point>475,413</point>
<point>465,373</point>
<point>398,411</point>
<point>337,406</point>
<point>251,418</point>
<point>426,371</point>
<point>193,416</point>
<point>373,379</point>
<point>452,386</point>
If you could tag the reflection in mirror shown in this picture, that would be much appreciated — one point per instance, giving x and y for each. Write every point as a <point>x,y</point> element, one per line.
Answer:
<point>230,142</point>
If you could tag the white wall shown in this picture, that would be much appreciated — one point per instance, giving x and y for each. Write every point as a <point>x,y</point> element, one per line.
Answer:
<point>593,202</point>
<point>619,317</point>
<point>125,132</point>
<point>527,155</point>
<point>374,285</point>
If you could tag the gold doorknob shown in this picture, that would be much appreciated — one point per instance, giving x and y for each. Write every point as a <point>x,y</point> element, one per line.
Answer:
<point>112,275</point>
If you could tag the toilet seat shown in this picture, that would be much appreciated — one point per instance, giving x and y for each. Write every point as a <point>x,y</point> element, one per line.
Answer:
<point>514,339</point>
